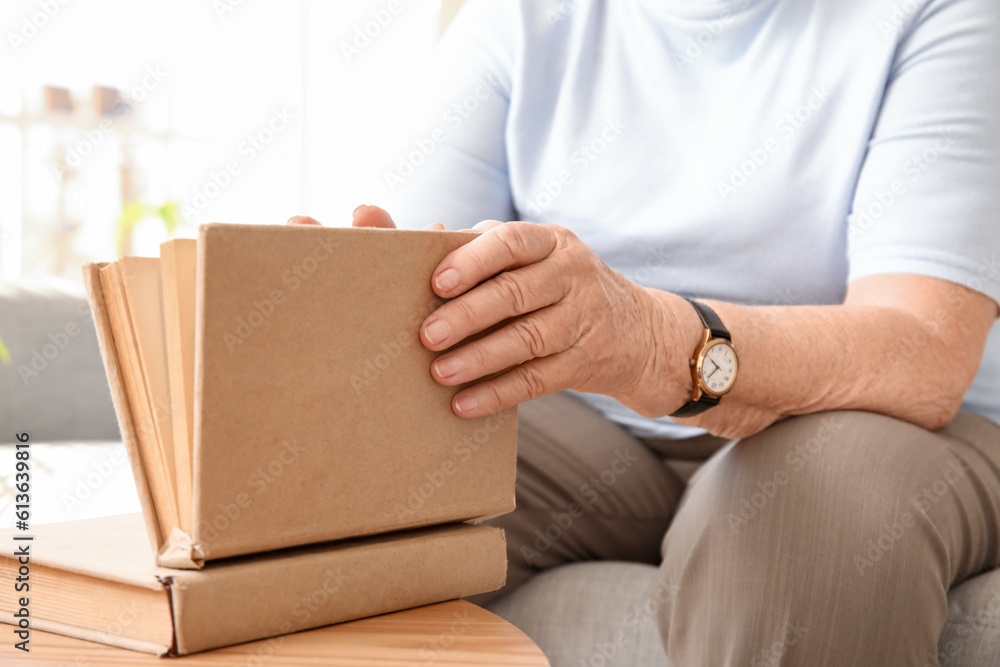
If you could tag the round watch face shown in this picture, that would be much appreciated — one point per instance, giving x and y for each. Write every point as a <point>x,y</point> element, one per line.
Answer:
<point>719,367</point>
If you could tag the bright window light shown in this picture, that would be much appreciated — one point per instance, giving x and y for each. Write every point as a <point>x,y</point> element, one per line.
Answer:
<point>231,110</point>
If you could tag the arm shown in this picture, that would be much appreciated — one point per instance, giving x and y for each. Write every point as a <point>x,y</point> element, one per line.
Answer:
<point>453,166</point>
<point>906,341</point>
<point>908,338</point>
<point>902,345</point>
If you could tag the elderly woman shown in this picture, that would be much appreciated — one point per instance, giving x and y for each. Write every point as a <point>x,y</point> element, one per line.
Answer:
<point>758,232</point>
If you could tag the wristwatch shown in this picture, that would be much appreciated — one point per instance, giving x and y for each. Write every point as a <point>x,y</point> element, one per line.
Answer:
<point>714,365</point>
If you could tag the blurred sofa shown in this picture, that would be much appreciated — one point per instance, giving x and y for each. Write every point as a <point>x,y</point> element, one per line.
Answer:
<point>54,387</point>
<point>53,383</point>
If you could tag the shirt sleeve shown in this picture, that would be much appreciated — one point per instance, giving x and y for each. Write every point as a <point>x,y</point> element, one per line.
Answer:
<point>926,200</point>
<point>453,169</point>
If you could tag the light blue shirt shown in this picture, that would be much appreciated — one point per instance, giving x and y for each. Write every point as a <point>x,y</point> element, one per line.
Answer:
<point>761,152</point>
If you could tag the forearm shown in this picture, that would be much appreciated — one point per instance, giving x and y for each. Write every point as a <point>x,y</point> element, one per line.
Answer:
<point>903,345</point>
<point>804,359</point>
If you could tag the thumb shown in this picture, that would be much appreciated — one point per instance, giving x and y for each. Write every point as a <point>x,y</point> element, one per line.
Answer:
<point>372,216</point>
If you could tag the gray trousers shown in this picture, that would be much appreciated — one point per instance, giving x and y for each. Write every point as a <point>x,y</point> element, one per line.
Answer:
<point>833,537</point>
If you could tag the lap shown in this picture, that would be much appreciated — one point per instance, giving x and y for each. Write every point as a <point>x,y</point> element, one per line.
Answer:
<point>847,526</point>
<point>841,471</point>
<point>586,490</point>
<point>589,490</point>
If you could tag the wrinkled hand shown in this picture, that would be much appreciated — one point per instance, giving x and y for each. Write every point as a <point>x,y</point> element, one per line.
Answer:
<point>574,323</point>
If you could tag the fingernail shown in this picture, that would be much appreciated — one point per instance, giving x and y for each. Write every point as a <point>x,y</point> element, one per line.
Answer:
<point>466,403</point>
<point>437,332</point>
<point>447,280</point>
<point>355,214</point>
<point>447,367</point>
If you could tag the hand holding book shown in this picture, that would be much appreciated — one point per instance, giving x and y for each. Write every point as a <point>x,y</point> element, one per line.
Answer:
<point>531,310</point>
<point>254,318</point>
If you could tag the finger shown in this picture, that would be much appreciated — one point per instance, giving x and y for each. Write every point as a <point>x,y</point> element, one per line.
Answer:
<point>372,216</point>
<point>509,294</point>
<point>530,380</point>
<point>534,336</point>
<point>303,220</point>
<point>506,246</point>
<point>484,226</point>
<point>435,226</point>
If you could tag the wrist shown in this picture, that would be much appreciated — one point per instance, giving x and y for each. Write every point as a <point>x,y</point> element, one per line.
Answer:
<point>675,331</point>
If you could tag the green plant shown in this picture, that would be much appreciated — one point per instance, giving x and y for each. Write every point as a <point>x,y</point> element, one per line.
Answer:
<point>169,213</point>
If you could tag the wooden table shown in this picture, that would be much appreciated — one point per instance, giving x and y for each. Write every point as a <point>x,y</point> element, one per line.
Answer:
<point>446,634</point>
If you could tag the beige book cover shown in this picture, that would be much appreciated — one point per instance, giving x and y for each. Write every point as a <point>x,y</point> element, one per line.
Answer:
<point>315,414</point>
<point>95,580</point>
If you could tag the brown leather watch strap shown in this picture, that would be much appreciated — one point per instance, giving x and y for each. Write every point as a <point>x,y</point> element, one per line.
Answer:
<point>711,322</point>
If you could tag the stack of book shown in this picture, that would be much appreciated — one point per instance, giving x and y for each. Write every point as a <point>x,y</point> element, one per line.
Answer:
<point>296,463</point>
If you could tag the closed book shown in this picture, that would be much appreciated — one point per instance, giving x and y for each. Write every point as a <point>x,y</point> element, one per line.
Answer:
<point>95,579</point>
<point>310,413</point>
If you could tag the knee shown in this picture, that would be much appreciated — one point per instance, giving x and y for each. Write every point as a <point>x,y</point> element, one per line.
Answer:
<point>812,472</point>
<point>781,521</point>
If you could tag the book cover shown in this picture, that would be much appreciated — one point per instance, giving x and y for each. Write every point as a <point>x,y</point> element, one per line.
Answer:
<point>315,416</point>
<point>94,579</point>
